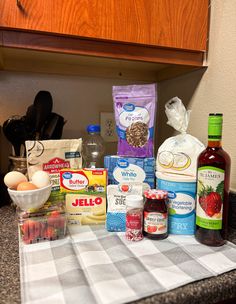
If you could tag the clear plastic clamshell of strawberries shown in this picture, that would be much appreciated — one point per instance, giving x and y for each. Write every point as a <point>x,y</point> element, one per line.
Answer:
<point>45,224</point>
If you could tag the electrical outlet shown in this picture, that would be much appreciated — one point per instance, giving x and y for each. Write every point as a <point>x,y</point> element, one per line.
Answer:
<point>108,126</point>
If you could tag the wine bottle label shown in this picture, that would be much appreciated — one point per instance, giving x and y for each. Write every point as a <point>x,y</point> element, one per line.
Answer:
<point>210,195</point>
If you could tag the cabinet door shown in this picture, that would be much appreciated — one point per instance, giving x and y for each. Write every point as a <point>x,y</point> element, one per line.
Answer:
<point>168,23</point>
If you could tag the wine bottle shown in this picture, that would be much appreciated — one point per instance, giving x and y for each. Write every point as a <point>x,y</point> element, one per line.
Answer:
<point>213,175</point>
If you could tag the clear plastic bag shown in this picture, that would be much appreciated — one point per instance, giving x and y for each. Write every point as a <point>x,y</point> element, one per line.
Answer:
<point>178,154</point>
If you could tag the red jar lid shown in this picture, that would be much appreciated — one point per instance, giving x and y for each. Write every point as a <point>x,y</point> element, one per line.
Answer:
<point>155,194</point>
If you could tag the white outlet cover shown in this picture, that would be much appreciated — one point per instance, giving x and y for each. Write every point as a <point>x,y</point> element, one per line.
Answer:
<point>108,126</point>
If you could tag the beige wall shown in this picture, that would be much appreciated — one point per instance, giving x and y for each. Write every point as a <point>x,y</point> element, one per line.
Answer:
<point>214,90</point>
<point>78,99</point>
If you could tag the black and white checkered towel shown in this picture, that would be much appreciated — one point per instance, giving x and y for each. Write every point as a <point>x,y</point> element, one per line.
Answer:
<point>92,265</point>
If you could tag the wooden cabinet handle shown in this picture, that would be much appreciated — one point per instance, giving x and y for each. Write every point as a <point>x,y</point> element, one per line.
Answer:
<point>20,6</point>
<point>18,3</point>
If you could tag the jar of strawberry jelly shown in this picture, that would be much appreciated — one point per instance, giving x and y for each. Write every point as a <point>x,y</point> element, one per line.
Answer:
<point>134,218</point>
<point>155,214</point>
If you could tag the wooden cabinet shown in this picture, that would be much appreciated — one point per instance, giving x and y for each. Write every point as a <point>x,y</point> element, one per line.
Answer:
<point>156,31</point>
<point>167,23</point>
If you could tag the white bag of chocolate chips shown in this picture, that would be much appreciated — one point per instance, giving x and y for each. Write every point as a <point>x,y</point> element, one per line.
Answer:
<point>178,154</point>
<point>52,156</point>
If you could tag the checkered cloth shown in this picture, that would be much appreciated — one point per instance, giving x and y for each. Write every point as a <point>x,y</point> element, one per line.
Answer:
<point>92,265</point>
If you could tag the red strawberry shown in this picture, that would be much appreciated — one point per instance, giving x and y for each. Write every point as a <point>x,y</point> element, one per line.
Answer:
<point>37,229</point>
<point>211,203</point>
<point>61,222</point>
<point>151,229</point>
<point>55,213</point>
<point>25,229</point>
<point>202,202</point>
<point>53,219</point>
<point>49,233</point>
<point>26,240</point>
<point>31,224</point>
<point>43,229</point>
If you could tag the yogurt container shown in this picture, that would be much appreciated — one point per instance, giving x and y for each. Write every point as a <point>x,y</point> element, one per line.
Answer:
<point>181,194</point>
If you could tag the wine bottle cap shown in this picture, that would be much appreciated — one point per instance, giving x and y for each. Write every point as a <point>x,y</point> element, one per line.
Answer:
<point>215,122</point>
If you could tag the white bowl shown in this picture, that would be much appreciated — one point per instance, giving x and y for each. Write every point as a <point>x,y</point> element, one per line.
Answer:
<point>30,199</point>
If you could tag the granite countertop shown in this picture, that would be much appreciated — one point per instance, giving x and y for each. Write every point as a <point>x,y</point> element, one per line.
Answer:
<point>212,290</point>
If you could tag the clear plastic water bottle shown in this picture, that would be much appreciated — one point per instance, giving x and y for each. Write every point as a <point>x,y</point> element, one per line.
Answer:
<point>93,148</point>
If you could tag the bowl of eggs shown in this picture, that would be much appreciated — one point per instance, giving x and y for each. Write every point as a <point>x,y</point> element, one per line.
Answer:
<point>28,194</point>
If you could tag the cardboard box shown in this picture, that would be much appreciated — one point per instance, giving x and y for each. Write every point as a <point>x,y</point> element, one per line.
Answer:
<point>85,197</point>
<point>130,170</point>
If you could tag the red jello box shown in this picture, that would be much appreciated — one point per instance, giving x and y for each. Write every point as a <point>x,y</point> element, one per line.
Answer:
<point>46,224</point>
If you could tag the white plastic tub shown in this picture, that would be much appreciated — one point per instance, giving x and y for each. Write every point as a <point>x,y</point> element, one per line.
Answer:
<point>181,193</point>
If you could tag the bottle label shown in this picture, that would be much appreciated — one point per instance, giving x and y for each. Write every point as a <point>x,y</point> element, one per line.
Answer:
<point>132,113</point>
<point>210,195</point>
<point>181,205</point>
<point>155,222</point>
<point>134,220</point>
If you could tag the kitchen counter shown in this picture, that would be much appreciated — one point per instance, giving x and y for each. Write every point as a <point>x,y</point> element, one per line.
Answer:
<point>212,290</point>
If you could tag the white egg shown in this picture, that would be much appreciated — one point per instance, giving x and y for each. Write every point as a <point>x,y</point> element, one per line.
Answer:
<point>14,178</point>
<point>41,179</point>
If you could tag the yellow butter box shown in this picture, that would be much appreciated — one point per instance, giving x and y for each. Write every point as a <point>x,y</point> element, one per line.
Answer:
<point>85,198</point>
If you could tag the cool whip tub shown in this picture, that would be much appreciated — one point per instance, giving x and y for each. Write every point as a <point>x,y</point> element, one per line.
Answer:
<point>181,194</point>
<point>130,170</point>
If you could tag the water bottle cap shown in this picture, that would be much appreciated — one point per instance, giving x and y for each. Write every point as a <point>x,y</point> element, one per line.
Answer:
<point>93,128</point>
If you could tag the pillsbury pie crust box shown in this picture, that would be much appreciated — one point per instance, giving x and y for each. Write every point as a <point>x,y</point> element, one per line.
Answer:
<point>85,195</point>
<point>130,170</point>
